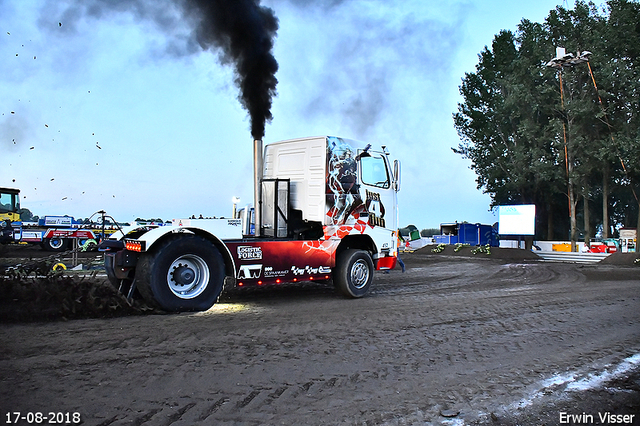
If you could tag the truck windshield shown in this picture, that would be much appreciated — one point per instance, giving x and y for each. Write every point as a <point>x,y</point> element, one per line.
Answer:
<point>374,171</point>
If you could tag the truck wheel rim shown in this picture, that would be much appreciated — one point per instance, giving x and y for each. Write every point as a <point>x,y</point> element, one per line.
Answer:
<point>359,273</point>
<point>188,276</point>
<point>56,243</point>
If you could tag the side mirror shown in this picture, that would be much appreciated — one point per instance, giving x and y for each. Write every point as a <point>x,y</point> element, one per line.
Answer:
<point>396,175</point>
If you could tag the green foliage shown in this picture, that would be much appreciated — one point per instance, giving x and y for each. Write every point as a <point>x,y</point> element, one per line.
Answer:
<point>512,122</point>
<point>460,246</point>
<point>27,216</point>
<point>482,249</point>
<point>430,232</point>
<point>439,248</point>
<point>158,220</point>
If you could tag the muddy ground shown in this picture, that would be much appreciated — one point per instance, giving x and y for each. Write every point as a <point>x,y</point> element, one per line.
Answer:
<point>458,339</point>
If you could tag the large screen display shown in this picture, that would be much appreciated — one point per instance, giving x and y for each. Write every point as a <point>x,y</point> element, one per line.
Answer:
<point>517,220</point>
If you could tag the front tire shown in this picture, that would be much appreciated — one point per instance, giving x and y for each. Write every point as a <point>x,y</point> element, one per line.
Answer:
<point>184,274</point>
<point>354,273</point>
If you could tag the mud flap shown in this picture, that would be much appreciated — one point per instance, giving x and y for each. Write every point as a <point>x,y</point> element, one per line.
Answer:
<point>385,263</point>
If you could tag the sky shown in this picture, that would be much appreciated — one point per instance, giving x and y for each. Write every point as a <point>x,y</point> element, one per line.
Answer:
<point>112,105</point>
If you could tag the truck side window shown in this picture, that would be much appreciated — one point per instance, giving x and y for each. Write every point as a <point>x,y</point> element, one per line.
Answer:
<point>374,172</point>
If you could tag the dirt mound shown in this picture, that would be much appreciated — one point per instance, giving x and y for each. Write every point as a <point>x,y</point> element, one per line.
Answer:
<point>498,253</point>
<point>631,259</point>
<point>33,292</point>
<point>57,296</point>
<point>433,252</point>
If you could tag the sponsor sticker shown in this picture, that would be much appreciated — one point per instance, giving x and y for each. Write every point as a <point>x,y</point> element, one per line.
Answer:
<point>249,253</point>
<point>58,221</point>
<point>270,272</point>
<point>308,270</point>
<point>249,271</point>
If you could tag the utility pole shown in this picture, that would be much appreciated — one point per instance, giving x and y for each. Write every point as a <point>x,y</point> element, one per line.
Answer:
<point>563,60</point>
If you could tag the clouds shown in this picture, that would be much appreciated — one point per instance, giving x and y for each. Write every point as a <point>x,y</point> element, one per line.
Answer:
<point>383,73</point>
<point>353,58</point>
<point>132,77</point>
<point>11,130</point>
<point>240,32</point>
<point>70,17</point>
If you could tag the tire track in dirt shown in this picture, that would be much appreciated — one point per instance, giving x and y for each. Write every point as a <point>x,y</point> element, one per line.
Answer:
<point>466,337</point>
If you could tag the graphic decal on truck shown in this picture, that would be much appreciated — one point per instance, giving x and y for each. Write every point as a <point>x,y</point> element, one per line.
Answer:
<point>343,189</point>
<point>270,272</point>
<point>375,208</point>
<point>347,202</point>
<point>249,253</point>
<point>249,271</point>
<point>286,259</point>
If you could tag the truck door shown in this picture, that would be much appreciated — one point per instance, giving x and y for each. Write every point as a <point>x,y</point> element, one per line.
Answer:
<point>377,191</point>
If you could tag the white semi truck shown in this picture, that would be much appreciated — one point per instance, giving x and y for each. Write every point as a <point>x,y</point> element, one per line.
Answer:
<point>327,210</point>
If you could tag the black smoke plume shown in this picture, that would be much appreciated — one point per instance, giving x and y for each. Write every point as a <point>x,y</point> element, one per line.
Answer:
<point>244,31</point>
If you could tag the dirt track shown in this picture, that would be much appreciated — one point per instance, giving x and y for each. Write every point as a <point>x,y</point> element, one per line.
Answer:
<point>454,340</point>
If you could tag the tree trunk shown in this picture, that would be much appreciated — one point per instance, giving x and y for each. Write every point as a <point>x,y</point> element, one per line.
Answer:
<point>573,220</point>
<point>586,216</point>
<point>573,202</point>
<point>638,226</point>
<point>550,223</point>
<point>605,203</point>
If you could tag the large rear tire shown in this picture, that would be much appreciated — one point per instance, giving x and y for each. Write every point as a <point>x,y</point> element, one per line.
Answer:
<point>354,273</point>
<point>185,273</point>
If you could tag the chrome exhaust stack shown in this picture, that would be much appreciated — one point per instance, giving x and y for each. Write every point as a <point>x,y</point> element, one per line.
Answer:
<point>257,187</point>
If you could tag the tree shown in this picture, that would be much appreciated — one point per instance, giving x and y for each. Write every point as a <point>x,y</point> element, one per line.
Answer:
<point>622,95</point>
<point>26,215</point>
<point>577,30</point>
<point>506,121</point>
<point>429,232</point>
<point>533,135</point>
